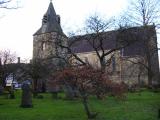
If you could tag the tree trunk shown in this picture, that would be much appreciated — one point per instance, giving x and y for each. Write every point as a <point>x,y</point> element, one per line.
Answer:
<point>35,91</point>
<point>90,115</point>
<point>1,89</point>
<point>68,91</point>
<point>11,94</point>
<point>55,95</point>
<point>43,87</point>
<point>150,78</point>
<point>86,107</point>
<point>103,65</point>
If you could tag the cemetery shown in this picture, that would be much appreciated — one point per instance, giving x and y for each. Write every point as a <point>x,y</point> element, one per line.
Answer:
<point>137,106</point>
<point>108,70</point>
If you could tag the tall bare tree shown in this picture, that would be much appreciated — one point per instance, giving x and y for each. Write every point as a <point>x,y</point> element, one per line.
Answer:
<point>7,57</point>
<point>103,43</point>
<point>6,4</point>
<point>38,71</point>
<point>143,12</point>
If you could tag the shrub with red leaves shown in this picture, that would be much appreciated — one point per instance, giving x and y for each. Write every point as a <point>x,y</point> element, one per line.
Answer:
<point>88,81</point>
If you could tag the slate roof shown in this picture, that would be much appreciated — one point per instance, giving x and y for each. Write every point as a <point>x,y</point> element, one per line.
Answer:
<point>135,35</point>
<point>49,22</point>
<point>80,44</point>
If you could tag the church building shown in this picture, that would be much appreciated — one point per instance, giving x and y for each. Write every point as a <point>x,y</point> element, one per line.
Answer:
<point>128,64</point>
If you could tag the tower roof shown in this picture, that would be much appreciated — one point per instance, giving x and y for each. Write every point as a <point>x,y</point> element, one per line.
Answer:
<point>50,22</point>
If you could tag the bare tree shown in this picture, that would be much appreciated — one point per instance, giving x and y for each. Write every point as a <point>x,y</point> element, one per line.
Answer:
<point>143,12</point>
<point>95,29</point>
<point>148,41</point>
<point>6,4</point>
<point>103,43</point>
<point>7,67</point>
<point>96,38</point>
<point>37,72</point>
<point>7,58</point>
<point>98,41</point>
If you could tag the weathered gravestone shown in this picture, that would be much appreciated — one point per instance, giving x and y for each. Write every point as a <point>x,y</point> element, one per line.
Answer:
<point>26,101</point>
<point>70,92</point>
<point>54,89</point>
<point>1,89</point>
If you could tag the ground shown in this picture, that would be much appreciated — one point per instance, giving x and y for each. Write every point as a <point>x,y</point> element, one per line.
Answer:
<point>135,107</point>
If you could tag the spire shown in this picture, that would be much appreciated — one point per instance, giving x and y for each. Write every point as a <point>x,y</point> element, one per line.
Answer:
<point>50,21</point>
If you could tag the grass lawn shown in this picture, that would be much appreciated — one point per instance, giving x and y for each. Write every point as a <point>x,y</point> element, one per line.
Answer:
<point>136,107</point>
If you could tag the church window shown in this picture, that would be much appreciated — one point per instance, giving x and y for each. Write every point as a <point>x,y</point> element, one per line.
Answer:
<point>122,52</point>
<point>113,64</point>
<point>86,59</point>
<point>45,19</point>
<point>43,46</point>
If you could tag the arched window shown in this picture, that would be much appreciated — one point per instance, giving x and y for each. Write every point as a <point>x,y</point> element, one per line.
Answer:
<point>113,64</point>
<point>45,19</point>
<point>43,46</point>
<point>122,52</point>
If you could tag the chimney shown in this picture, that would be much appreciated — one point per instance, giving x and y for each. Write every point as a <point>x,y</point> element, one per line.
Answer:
<point>58,19</point>
<point>19,59</point>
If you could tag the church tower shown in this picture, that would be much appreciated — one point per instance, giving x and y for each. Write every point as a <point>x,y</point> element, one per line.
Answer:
<point>50,33</point>
<point>46,45</point>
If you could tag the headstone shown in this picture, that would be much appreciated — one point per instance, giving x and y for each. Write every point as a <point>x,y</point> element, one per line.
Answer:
<point>54,90</point>
<point>26,101</point>
<point>1,90</point>
<point>69,92</point>
<point>158,113</point>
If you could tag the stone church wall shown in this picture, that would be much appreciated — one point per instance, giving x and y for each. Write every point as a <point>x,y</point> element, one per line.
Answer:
<point>133,70</point>
<point>124,69</point>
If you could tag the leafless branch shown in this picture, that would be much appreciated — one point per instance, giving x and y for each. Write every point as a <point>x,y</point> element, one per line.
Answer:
<point>4,4</point>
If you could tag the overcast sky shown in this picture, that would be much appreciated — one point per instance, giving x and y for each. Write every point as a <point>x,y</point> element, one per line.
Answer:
<point>18,26</point>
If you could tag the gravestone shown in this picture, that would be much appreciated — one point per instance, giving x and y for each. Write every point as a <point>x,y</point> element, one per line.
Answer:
<point>26,101</point>
<point>69,92</point>
<point>1,90</point>
<point>54,90</point>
